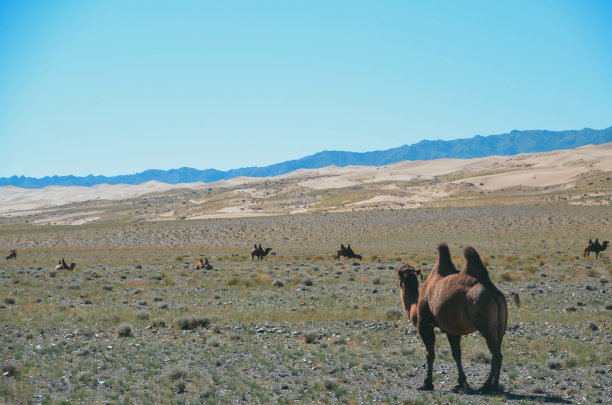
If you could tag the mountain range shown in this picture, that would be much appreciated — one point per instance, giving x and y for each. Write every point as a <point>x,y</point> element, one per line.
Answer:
<point>478,146</point>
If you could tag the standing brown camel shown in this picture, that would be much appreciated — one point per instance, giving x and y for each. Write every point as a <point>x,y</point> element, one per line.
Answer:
<point>595,247</point>
<point>459,303</point>
<point>12,255</point>
<point>259,252</point>
<point>347,252</point>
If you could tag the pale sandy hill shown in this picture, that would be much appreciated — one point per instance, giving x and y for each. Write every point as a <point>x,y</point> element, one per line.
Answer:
<point>21,199</point>
<point>558,168</point>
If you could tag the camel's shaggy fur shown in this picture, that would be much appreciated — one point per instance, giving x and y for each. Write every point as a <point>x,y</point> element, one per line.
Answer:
<point>459,303</point>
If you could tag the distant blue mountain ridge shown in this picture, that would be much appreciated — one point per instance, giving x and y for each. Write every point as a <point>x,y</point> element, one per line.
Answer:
<point>478,146</point>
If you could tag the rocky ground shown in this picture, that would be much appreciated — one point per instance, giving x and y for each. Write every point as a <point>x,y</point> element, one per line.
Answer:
<point>135,323</point>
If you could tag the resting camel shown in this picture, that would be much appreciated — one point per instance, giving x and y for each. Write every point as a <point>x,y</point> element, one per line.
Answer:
<point>259,252</point>
<point>347,252</point>
<point>595,247</point>
<point>459,303</point>
<point>61,265</point>
<point>203,264</point>
<point>12,255</point>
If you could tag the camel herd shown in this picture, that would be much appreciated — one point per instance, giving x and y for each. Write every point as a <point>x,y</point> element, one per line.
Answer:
<point>259,253</point>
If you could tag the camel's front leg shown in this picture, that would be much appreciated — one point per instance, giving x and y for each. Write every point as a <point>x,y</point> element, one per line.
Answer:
<point>455,344</point>
<point>426,332</point>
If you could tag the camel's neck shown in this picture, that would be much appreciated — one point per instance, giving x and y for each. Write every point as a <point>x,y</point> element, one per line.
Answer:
<point>409,300</point>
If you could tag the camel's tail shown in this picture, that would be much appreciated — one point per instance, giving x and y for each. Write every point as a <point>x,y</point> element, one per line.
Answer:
<point>517,299</point>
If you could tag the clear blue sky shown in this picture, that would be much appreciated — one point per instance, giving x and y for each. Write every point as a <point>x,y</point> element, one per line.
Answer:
<point>117,87</point>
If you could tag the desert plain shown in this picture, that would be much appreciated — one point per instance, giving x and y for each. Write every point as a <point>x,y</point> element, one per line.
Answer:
<point>134,322</point>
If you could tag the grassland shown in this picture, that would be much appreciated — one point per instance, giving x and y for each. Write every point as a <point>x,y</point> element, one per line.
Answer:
<point>134,323</point>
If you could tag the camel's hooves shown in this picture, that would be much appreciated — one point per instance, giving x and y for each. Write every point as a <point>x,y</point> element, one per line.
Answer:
<point>461,387</point>
<point>426,387</point>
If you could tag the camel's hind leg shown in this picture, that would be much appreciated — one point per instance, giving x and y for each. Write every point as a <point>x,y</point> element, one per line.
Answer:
<point>492,383</point>
<point>455,344</point>
<point>494,334</point>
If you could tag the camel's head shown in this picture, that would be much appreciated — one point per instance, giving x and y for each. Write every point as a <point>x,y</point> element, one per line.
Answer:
<point>268,250</point>
<point>407,278</point>
<point>605,243</point>
<point>358,257</point>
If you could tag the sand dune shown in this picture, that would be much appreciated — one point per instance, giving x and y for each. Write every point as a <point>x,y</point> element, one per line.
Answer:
<point>533,170</point>
<point>558,168</point>
<point>16,200</point>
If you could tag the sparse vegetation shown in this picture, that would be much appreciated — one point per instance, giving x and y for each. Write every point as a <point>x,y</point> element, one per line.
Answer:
<point>298,327</point>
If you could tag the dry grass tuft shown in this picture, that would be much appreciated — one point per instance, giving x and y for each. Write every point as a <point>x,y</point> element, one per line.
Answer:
<point>394,315</point>
<point>261,278</point>
<point>177,374</point>
<point>9,369</point>
<point>189,323</point>
<point>310,336</point>
<point>124,330</point>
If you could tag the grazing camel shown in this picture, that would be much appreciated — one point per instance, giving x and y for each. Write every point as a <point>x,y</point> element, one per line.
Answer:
<point>61,265</point>
<point>12,255</point>
<point>459,303</point>
<point>347,252</point>
<point>259,252</point>
<point>595,247</point>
